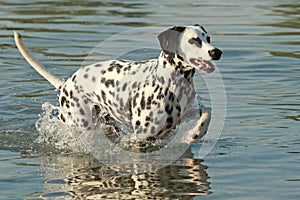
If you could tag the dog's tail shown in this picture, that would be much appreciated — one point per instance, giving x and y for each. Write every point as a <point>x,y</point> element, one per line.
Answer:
<point>35,63</point>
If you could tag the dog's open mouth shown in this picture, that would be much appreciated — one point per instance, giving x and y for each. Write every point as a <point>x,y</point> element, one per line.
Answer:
<point>204,65</point>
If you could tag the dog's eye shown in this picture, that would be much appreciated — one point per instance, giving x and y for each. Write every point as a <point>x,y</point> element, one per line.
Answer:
<point>196,41</point>
<point>208,39</point>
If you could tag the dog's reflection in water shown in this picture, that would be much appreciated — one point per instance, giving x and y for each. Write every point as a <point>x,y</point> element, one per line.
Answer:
<point>83,177</point>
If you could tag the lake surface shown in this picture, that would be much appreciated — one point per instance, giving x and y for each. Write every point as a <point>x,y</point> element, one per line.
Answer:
<point>258,153</point>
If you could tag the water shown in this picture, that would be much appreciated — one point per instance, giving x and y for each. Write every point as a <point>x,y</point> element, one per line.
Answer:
<point>257,155</point>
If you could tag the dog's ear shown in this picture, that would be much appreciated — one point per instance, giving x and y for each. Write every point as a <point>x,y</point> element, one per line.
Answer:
<point>169,39</point>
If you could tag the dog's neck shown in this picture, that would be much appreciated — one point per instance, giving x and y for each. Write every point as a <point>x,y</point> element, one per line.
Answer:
<point>175,61</point>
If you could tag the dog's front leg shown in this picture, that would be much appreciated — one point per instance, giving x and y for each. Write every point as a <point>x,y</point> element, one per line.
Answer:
<point>201,126</point>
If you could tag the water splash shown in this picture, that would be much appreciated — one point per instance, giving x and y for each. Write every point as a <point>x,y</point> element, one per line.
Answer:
<point>55,133</point>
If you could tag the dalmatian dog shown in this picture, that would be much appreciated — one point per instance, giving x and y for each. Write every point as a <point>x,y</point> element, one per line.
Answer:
<point>149,98</point>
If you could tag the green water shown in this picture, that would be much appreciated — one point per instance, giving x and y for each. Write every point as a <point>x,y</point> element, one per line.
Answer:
<point>258,153</point>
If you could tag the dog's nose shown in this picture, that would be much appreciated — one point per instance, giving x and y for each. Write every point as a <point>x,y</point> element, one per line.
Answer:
<point>215,54</point>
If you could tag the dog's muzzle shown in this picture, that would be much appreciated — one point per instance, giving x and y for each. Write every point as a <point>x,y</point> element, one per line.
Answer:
<point>215,54</point>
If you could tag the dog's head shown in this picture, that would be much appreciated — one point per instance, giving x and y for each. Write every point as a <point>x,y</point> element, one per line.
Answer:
<point>192,43</point>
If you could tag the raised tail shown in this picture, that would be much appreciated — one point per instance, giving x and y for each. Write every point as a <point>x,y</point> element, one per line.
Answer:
<point>35,63</point>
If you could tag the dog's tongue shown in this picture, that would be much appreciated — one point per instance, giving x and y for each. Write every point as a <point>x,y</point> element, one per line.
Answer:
<point>204,65</point>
